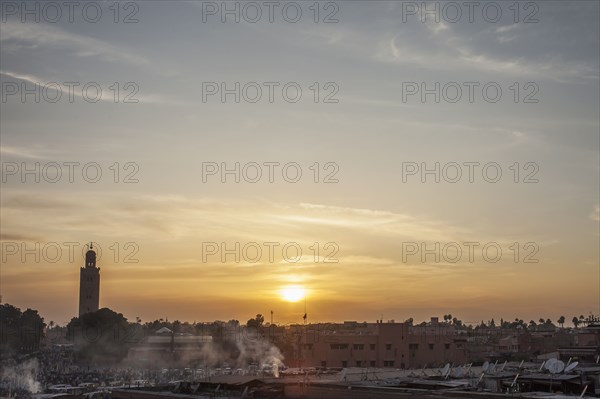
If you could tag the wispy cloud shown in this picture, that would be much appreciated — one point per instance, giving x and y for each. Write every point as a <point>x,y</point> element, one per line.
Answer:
<point>20,152</point>
<point>37,36</point>
<point>452,51</point>
<point>50,84</point>
<point>180,218</point>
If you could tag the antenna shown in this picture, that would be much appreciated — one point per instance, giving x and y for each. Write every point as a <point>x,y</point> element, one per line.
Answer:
<point>305,314</point>
<point>583,393</point>
<point>542,366</point>
<point>492,368</point>
<point>504,365</point>
<point>514,381</point>
<point>480,378</point>
<point>571,366</point>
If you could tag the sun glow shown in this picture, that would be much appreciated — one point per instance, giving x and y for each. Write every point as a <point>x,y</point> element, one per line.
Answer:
<point>292,293</point>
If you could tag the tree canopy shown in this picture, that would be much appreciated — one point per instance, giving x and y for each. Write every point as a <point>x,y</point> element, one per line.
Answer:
<point>21,331</point>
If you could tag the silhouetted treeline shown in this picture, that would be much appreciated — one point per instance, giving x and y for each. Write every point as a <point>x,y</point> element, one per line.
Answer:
<point>20,332</point>
<point>103,336</point>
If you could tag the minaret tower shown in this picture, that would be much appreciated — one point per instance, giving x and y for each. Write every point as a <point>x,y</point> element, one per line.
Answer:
<point>89,284</point>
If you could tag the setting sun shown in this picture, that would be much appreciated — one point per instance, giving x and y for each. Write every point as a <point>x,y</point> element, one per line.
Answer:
<point>292,293</point>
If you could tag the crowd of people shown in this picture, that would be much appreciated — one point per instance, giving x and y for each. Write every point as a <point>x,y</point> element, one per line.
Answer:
<point>56,365</point>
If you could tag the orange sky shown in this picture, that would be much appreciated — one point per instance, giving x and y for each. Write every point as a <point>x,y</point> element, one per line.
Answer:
<point>369,218</point>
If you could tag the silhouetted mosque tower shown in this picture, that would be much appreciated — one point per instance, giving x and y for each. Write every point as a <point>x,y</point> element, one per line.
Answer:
<point>89,284</point>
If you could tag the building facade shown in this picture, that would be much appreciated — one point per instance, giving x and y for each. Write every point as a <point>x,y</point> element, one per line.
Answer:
<point>379,345</point>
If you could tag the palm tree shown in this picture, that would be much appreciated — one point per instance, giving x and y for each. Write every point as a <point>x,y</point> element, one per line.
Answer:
<point>575,321</point>
<point>561,321</point>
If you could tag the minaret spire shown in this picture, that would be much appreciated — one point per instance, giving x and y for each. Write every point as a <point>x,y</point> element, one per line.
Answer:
<point>89,283</point>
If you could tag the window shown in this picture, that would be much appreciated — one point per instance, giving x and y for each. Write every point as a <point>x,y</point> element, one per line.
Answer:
<point>388,347</point>
<point>372,363</point>
<point>344,363</point>
<point>447,346</point>
<point>308,346</point>
<point>388,363</point>
<point>358,363</point>
<point>431,346</point>
<point>339,346</point>
<point>358,346</point>
<point>413,346</point>
<point>372,347</point>
<point>323,363</point>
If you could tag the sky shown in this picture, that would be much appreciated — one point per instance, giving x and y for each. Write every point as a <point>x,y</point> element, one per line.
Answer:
<point>336,188</point>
